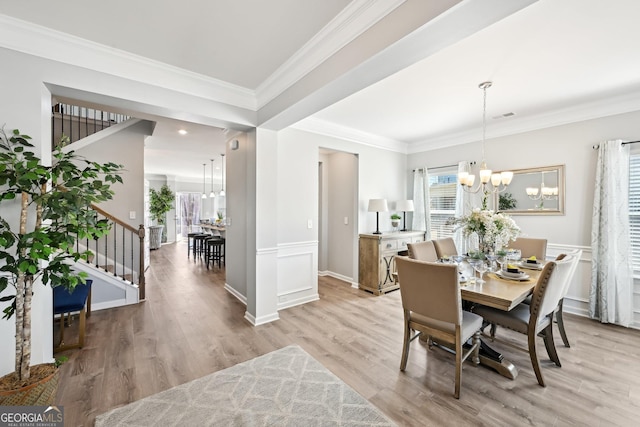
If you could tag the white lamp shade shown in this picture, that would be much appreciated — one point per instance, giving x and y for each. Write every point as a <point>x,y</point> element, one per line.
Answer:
<point>404,205</point>
<point>507,176</point>
<point>378,205</point>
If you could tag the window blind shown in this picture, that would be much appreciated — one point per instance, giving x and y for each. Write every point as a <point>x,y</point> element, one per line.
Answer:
<point>442,189</point>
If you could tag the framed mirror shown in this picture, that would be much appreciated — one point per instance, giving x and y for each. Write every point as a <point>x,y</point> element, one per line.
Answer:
<point>534,191</point>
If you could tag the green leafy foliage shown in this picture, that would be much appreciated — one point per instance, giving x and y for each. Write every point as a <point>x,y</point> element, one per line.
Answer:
<point>62,193</point>
<point>160,202</point>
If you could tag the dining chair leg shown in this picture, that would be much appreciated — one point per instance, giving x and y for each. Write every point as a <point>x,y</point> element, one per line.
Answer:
<point>458,366</point>
<point>534,357</point>
<point>560,320</point>
<point>547,336</point>
<point>493,330</point>
<point>405,345</point>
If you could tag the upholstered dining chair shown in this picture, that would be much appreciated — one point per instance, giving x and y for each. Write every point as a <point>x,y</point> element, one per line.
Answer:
<point>530,247</point>
<point>537,318</point>
<point>432,306</point>
<point>423,251</point>
<point>575,257</point>
<point>445,247</point>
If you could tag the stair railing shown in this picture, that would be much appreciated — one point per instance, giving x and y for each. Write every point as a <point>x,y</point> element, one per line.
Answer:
<point>120,252</point>
<point>77,122</point>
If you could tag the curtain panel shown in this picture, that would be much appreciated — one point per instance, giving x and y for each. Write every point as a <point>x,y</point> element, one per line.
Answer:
<point>421,201</point>
<point>610,297</point>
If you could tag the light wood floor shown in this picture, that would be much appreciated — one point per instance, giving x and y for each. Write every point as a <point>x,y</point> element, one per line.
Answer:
<point>190,326</point>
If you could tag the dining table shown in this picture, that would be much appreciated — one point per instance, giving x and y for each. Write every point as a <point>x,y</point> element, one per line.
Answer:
<point>504,294</point>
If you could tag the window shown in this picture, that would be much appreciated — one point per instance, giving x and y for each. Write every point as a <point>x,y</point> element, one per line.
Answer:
<point>634,210</point>
<point>442,189</point>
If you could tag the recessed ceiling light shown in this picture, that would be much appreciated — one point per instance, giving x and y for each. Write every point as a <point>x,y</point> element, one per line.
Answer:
<point>182,132</point>
<point>505,115</point>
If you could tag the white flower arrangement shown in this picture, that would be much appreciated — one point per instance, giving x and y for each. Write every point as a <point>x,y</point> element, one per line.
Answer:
<point>493,229</point>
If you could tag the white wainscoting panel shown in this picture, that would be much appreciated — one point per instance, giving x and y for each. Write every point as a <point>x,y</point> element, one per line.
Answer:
<point>297,273</point>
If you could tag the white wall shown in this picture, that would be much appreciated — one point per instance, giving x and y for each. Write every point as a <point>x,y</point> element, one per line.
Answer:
<point>570,145</point>
<point>126,148</point>
<point>343,203</point>
<point>380,174</point>
<point>240,189</point>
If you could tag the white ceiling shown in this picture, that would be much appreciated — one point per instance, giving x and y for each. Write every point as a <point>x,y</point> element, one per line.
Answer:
<point>553,62</point>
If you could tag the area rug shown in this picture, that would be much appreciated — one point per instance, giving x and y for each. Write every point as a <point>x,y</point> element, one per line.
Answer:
<point>286,387</point>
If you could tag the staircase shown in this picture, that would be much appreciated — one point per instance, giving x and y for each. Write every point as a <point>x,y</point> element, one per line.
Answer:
<point>116,263</point>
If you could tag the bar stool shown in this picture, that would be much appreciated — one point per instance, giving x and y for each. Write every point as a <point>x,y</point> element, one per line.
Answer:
<point>198,244</point>
<point>215,251</point>
<point>191,243</point>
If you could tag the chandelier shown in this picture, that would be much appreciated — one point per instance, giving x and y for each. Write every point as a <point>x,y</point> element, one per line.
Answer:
<point>543,192</point>
<point>499,181</point>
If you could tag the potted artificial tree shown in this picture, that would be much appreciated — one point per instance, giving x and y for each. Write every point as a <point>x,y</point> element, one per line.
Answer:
<point>43,208</point>
<point>159,204</point>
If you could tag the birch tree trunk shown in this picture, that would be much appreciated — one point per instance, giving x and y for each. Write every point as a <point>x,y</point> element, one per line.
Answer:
<point>21,291</point>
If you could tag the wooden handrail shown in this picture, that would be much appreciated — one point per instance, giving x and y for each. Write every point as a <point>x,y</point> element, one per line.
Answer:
<point>114,219</point>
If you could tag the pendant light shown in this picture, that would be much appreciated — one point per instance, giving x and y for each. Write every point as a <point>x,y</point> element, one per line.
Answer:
<point>204,171</point>
<point>212,194</point>
<point>222,193</point>
<point>499,181</point>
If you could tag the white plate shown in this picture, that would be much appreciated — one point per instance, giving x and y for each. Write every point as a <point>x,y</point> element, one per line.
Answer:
<point>530,265</point>
<point>512,276</point>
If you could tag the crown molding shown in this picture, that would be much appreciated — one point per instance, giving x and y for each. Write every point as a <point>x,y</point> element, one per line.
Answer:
<point>355,19</point>
<point>323,127</point>
<point>32,39</point>
<point>584,111</point>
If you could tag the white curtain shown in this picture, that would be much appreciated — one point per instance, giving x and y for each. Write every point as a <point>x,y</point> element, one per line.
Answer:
<point>463,207</point>
<point>190,211</point>
<point>421,201</point>
<point>610,298</point>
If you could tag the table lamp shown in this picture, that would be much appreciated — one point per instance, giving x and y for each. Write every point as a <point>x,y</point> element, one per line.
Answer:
<point>377,206</point>
<point>404,206</point>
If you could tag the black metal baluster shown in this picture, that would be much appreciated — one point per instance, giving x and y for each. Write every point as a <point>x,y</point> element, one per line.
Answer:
<point>61,119</point>
<point>70,115</point>
<point>124,245</point>
<point>132,270</point>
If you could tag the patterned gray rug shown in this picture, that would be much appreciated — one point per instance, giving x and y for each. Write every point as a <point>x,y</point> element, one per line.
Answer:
<point>286,387</point>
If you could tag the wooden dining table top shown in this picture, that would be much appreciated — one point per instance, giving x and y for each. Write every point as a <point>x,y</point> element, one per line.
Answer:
<point>500,293</point>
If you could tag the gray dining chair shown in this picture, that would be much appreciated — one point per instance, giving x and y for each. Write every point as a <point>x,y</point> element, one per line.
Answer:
<point>445,247</point>
<point>432,306</point>
<point>535,319</point>
<point>530,247</point>
<point>423,251</point>
<point>575,257</point>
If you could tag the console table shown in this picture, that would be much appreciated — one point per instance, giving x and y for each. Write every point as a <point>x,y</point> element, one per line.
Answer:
<point>376,262</point>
